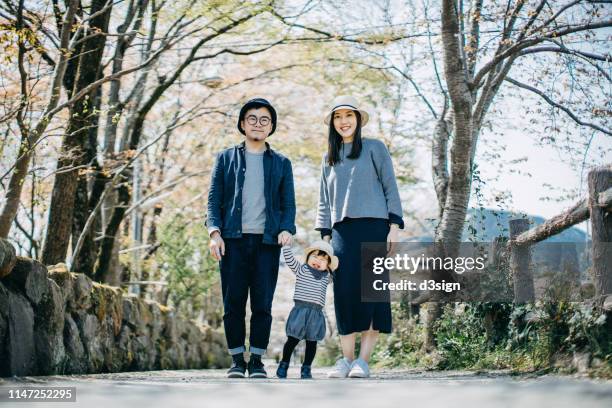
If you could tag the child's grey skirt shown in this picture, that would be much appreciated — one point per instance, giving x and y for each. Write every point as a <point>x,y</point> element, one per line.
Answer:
<point>306,321</point>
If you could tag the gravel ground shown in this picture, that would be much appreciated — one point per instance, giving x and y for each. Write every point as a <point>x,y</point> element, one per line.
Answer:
<point>210,388</point>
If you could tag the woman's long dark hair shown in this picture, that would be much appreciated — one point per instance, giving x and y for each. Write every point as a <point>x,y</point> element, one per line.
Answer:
<point>334,142</point>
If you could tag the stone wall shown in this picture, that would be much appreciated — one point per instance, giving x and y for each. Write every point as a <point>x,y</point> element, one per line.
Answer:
<point>57,322</point>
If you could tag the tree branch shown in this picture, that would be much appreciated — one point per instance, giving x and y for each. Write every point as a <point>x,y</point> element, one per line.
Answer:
<point>474,39</point>
<point>338,37</point>
<point>554,104</point>
<point>520,46</point>
<point>564,50</point>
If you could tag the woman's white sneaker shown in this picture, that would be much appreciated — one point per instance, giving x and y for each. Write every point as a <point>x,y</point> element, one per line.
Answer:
<point>359,369</point>
<point>341,369</point>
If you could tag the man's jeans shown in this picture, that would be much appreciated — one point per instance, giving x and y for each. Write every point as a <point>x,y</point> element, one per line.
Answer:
<point>248,265</point>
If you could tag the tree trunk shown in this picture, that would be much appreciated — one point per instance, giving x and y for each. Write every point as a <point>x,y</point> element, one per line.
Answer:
<point>82,117</point>
<point>30,137</point>
<point>102,271</point>
<point>454,200</point>
<point>439,152</point>
<point>85,202</point>
<point>429,313</point>
<point>458,194</point>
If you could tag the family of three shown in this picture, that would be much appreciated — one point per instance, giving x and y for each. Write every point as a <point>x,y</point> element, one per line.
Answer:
<point>251,219</point>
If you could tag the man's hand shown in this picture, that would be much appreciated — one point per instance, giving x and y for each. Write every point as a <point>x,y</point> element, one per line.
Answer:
<point>285,238</point>
<point>216,245</point>
<point>392,238</point>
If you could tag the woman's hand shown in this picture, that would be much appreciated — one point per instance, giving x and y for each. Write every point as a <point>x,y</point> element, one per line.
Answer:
<point>392,238</point>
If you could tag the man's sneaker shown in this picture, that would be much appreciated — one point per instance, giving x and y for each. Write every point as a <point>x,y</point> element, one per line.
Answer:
<point>256,367</point>
<point>281,371</point>
<point>359,369</point>
<point>341,369</point>
<point>305,372</point>
<point>237,369</point>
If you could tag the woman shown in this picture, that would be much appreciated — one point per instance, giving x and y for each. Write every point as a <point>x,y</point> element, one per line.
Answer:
<point>358,202</point>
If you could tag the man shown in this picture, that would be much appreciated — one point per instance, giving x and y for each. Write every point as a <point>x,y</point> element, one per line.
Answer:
<point>251,213</point>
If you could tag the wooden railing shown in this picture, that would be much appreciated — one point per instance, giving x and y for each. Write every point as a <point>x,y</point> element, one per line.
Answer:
<point>598,208</point>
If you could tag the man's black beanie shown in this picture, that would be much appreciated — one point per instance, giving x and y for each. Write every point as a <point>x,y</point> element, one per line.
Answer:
<point>254,104</point>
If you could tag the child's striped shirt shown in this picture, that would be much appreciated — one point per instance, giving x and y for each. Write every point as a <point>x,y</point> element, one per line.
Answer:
<point>310,284</point>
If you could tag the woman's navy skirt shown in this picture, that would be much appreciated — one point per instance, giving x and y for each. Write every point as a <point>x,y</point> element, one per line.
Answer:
<point>353,315</point>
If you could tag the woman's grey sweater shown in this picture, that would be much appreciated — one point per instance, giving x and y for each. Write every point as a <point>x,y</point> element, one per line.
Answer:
<point>356,188</point>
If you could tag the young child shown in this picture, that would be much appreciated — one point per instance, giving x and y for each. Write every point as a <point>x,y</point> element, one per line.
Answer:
<point>306,320</point>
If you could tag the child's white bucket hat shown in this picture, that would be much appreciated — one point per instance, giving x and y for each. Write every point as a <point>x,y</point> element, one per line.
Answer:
<point>325,247</point>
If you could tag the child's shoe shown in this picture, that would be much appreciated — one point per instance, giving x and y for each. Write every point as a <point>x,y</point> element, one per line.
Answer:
<point>281,371</point>
<point>305,373</point>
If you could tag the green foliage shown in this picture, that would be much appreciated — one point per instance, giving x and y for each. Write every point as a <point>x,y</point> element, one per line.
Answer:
<point>532,337</point>
<point>192,275</point>
<point>520,337</point>
<point>460,336</point>
<point>404,346</point>
<point>590,329</point>
<point>551,328</point>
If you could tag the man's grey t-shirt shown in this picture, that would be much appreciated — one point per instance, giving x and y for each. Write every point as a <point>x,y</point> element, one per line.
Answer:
<point>253,198</point>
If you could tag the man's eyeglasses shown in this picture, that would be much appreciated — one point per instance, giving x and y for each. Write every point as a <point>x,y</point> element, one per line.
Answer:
<point>263,121</point>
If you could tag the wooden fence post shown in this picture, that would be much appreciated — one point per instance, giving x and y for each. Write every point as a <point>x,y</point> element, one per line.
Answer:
<point>600,179</point>
<point>520,263</point>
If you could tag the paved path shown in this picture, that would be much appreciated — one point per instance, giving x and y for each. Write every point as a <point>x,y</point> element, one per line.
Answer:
<point>390,388</point>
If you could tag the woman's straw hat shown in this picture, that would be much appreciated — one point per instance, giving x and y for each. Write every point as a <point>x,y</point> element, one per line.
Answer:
<point>346,102</point>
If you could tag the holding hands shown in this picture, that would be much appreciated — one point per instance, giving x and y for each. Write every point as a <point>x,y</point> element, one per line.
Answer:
<point>285,238</point>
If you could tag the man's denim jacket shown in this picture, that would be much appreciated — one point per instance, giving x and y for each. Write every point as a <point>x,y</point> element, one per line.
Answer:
<point>225,194</point>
